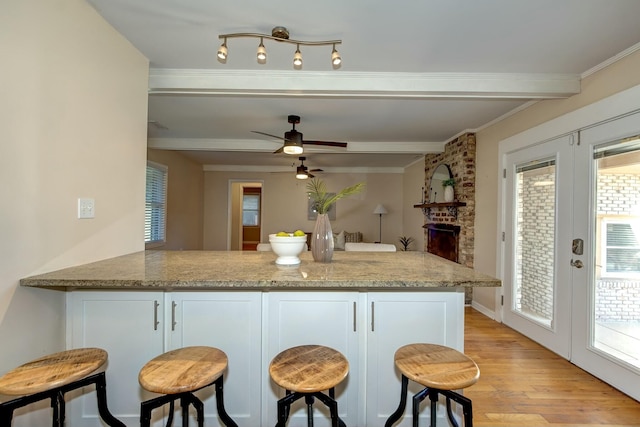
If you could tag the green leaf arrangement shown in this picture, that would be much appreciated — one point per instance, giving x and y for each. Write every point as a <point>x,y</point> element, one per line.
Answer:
<point>449,182</point>
<point>322,201</point>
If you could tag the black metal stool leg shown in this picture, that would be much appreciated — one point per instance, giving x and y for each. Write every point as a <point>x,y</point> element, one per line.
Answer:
<point>452,420</point>
<point>393,418</point>
<point>308,399</point>
<point>433,397</point>
<point>55,421</point>
<point>222,413</point>
<point>184,404</point>
<point>101,394</point>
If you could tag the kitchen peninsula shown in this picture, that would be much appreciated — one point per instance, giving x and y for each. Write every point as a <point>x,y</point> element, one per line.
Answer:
<point>364,304</point>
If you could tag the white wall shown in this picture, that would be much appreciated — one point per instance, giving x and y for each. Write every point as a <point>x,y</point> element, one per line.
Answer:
<point>72,124</point>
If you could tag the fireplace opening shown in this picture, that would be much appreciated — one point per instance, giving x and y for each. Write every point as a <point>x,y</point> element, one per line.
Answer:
<point>442,240</point>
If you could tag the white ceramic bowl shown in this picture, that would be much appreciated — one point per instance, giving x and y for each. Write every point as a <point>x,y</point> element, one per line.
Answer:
<point>288,248</point>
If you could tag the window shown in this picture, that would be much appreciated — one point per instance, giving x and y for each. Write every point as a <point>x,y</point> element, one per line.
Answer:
<point>251,207</point>
<point>155,204</point>
<point>621,248</point>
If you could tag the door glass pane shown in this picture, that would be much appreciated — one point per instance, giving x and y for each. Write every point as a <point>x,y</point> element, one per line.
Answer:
<point>535,233</point>
<point>616,282</point>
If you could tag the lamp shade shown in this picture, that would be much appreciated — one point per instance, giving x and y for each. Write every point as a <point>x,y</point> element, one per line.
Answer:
<point>380,210</point>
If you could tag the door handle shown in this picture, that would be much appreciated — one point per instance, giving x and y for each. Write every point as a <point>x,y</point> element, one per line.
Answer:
<point>577,263</point>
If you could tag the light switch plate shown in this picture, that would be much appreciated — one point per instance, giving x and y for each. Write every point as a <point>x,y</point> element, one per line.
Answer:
<point>86,208</point>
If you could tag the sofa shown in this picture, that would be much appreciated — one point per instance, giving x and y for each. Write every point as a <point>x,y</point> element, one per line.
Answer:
<point>343,237</point>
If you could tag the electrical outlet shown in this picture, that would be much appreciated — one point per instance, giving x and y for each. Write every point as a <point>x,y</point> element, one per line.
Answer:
<point>86,208</point>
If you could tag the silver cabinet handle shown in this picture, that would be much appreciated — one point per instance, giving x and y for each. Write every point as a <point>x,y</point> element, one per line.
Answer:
<point>354,316</point>
<point>156,304</point>
<point>173,315</point>
<point>373,312</point>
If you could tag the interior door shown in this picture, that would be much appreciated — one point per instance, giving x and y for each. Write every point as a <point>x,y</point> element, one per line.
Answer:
<point>606,290</point>
<point>537,279</point>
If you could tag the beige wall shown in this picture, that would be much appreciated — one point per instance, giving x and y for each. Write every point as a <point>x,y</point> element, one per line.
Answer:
<point>285,205</point>
<point>72,124</point>
<point>413,219</point>
<point>608,81</point>
<point>184,200</point>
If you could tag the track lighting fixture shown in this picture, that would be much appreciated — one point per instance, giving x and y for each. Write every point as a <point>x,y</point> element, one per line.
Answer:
<point>262,53</point>
<point>222,52</point>
<point>280,34</point>
<point>297,59</point>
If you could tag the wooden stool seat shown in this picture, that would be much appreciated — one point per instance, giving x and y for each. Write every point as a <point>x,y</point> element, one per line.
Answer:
<point>50,377</point>
<point>309,368</point>
<point>441,370</point>
<point>185,369</point>
<point>436,366</point>
<point>177,374</point>
<point>306,372</point>
<point>54,370</point>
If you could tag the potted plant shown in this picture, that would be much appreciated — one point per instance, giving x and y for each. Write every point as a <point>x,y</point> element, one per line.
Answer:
<point>322,238</point>
<point>405,242</point>
<point>448,185</point>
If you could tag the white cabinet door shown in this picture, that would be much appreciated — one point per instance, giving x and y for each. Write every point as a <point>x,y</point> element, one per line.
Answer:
<point>324,318</point>
<point>129,326</point>
<point>399,318</point>
<point>230,321</point>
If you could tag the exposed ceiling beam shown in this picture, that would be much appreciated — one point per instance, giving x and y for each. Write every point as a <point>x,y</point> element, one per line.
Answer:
<point>363,85</point>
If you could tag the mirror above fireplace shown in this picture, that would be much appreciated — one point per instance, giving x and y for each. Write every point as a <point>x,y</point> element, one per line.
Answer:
<point>436,190</point>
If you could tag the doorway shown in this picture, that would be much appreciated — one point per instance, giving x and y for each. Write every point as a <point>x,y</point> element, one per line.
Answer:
<point>245,215</point>
<point>572,248</point>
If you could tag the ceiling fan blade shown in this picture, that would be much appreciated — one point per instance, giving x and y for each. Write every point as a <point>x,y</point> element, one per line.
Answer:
<point>316,170</point>
<point>268,134</point>
<point>310,175</point>
<point>327,143</point>
<point>279,150</point>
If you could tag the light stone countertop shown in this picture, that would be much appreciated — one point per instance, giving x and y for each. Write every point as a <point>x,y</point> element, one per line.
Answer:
<point>226,270</point>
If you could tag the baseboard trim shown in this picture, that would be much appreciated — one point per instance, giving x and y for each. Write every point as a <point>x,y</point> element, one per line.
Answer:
<point>484,310</point>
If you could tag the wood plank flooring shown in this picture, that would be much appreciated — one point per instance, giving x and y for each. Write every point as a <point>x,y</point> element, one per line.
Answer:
<point>524,384</point>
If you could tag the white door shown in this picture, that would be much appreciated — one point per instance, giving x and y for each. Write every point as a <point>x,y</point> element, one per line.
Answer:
<point>129,326</point>
<point>537,277</point>
<point>572,248</point>
<point>606,290</point>
<point>230,321</point>
<point>324,318</point>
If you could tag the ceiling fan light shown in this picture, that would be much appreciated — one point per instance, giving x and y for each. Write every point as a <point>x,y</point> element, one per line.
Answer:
<point>223,52</point>
<point>297,59</point>
<point>336,59</point>
<point>292,148</point>
<point>301,172</point>
<point>262,53</point>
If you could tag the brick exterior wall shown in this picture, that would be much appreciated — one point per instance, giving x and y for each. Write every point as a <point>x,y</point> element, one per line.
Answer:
<point>616,299</point>
<point>460,155</point>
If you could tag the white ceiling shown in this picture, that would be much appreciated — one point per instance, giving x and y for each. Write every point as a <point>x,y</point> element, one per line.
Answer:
<point>414,74</point>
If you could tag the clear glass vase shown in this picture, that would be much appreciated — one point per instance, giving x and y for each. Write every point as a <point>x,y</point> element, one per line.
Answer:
<point>322,239</point>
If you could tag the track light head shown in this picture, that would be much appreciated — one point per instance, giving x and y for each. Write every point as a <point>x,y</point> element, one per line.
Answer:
<point>297,59</point>
<point>262,53</point>
<point>336,59</point>
<point>223,52</point>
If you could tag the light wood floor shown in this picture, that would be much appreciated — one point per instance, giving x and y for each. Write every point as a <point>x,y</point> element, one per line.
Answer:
<point>523,384</point>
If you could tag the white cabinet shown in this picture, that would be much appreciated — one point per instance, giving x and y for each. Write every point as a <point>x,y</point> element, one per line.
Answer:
<point>230,321</point>
<point>129,326</point>
<point>325,318</point>
<point>399,318</point>
<point>251,327</point>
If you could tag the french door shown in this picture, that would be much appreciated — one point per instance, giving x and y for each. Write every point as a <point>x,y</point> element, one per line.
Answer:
<point>572,248</point>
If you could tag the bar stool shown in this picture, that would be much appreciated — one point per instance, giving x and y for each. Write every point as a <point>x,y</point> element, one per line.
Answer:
<point>440,369</point>
<point>177,374</point>
<point>50,377</point>
<point>307,371</point>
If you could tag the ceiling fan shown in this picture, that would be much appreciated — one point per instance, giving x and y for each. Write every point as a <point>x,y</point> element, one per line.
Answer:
<point>293,141</point>
<point>302,172</point>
